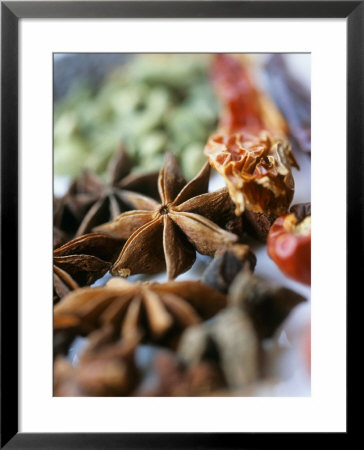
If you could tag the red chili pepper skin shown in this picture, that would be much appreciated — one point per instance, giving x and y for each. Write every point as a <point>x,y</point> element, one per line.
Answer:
<point>238,93</point>
<point>290,248</point>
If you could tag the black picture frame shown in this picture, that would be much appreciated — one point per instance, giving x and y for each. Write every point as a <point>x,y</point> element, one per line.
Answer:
<point>11,12</point>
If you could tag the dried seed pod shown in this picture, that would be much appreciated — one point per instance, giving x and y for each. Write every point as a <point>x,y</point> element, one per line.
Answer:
<point>171,378</point>
<point>301,210</point>
<point>166,235</point>
<point>65,329</point>
<point>63,283</point>
<point>106,368</point>
<point>90,201</point>
<point>258,225</point>
<point>59,237</point>
<point>267,304</point>
<point>239,350</point>
<point>160,310</point>
<point>227,263</point>
<point>82,261</point>
<point>230,341</point>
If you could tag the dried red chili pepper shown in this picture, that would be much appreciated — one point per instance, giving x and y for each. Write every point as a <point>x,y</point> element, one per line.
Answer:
<point>250,149</point>
<point>289,245</point>
<point>244,106</point>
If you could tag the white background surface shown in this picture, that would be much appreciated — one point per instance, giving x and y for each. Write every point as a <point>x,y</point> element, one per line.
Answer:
<point>325,409</point>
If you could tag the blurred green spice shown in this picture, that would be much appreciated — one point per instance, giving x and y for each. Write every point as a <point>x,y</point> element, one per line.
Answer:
<point>153,104</point>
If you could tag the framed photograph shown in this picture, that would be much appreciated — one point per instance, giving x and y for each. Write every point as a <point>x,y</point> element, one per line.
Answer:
<point>159,165</point>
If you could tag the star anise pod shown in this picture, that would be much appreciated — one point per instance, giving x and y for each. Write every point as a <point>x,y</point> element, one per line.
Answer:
<point>257,224</point>
<point>59,237</point>
<point>90,202</point>
<point>63,283</point>
<point>256,308</point>
<point>301,210</point>
<point>227,263</point>
<point>168,234</point>
<point>68,211</point>
<point>229,341</point>
<point>65,330</point>
<point>82,261</point>
<point>65,222</point>
<point>266,303</point>
<point>106,368</point>
<point>159,311</point>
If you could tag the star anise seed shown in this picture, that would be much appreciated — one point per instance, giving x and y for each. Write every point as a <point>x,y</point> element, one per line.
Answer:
<point>82,261</point>
<point>59,237</point>
<point>266,303</point>
<point>227,263</point>
<point>105,368</point>
<point>90,202</point>
<point>168,234</point>
<point>159,311</point>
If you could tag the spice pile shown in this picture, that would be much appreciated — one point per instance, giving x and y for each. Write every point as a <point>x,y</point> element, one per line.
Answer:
<point>129,334</point>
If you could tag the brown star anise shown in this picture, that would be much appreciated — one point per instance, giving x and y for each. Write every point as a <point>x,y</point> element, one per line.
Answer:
<point>59,237</point>
<point>266,303</point>
<point>82,261</point>
<point>90,202</point>
<point>105,368</point>
<point>167,234</point>
<point>256,308</point>
<point>227,263</point>
<point>159,311</point>
<point>258,224</point>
